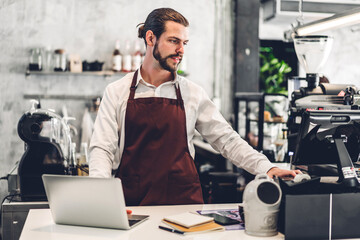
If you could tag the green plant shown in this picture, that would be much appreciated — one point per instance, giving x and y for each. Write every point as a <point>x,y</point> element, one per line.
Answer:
<point>272,72</point>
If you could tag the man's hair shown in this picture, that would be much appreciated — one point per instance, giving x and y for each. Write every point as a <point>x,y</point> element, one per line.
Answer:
<point>156,20</point>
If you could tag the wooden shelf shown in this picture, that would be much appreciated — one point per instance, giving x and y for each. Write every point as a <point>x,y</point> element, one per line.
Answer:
<point>59,96</point>
<point>105,73</point>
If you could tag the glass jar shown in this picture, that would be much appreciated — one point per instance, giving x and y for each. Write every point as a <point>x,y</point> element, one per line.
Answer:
<point>35,61</point>
<point>59,60</point>
<point>48,60</point>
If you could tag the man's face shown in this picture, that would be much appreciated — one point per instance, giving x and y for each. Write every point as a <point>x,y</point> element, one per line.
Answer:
<point>169,48</point>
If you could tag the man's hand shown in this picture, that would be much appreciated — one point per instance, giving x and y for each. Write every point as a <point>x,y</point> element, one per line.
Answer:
<point>275,171</point>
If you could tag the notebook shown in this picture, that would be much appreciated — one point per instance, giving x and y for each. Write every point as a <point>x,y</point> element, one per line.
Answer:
<point>188,222</point>
<point>87,201</point>
<point>202,228</point>
<point>188,219</point>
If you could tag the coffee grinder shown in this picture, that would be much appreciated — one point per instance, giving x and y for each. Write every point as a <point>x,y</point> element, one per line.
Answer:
<point>312,53</point>
<point>47,150</point>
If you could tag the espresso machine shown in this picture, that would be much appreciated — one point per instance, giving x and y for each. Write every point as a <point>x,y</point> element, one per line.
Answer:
<point>324,121</point>
<point>47,150</point>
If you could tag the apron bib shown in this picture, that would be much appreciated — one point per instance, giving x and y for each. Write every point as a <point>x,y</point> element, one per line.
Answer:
<point>156,167</point>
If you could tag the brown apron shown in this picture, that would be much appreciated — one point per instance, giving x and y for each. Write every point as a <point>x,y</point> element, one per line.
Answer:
<point>156,167</point>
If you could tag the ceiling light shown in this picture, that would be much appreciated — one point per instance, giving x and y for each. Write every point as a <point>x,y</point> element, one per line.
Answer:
<point>343,19</point>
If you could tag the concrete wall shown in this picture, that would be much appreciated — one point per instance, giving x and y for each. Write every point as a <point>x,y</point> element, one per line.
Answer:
<point>342,65</point>
<point>90,29</point>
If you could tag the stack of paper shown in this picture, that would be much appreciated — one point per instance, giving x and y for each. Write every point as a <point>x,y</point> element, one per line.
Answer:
<point>188,222</point>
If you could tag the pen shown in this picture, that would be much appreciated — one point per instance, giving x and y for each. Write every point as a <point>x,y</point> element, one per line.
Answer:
<point>171,230</point>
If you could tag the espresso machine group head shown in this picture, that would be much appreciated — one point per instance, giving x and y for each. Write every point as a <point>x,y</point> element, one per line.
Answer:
<point>47,150</point>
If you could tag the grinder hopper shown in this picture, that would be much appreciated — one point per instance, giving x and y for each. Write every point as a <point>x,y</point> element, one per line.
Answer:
<point>312,53</point>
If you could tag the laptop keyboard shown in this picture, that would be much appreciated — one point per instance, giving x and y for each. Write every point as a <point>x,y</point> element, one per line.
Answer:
<point>133,221</point>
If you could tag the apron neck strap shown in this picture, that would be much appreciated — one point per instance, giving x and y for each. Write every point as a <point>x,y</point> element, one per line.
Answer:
<point>178,92</point>
<point>133,88</point>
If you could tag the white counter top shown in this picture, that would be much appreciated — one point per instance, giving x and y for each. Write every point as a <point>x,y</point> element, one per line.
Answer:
<point>40,226</point>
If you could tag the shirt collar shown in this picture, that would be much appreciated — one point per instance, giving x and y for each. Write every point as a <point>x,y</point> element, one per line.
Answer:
<point>140,78</point>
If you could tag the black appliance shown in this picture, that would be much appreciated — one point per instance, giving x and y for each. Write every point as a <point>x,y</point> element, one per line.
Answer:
<point>330,138</point>
<point>47,150</point>
<point>331,97</point>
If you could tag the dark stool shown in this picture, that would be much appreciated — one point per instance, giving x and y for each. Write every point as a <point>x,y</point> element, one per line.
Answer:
<point>223,187</point>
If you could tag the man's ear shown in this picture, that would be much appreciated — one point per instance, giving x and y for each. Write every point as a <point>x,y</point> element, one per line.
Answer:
<point>150,38</point>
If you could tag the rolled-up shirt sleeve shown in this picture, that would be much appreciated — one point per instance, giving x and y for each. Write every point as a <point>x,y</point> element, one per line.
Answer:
<point>218,132</point>
<point>104,141</point>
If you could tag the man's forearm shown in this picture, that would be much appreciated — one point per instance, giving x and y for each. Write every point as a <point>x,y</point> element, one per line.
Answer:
<point>100,164</point>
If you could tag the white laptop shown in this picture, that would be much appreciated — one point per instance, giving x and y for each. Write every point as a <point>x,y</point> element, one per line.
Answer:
<point>87,201</point>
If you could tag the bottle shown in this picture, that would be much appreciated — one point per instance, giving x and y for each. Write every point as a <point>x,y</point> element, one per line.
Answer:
<point>83,166</point>
<point>48,59</point>
<point>117,58</point>
<point>71,168</point>
<point>126,64</point>
<point>143,52</point>
<point>136,57</point>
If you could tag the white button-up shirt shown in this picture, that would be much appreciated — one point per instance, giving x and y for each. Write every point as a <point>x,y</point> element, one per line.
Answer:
<point>107,142</point>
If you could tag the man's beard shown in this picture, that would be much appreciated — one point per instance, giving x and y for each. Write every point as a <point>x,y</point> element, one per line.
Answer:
<point>163,61</point>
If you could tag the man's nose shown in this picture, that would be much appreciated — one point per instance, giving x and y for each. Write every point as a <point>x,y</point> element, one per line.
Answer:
<point>180,49</point>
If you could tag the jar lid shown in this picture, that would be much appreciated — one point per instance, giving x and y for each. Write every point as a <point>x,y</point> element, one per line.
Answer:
<point>59,51</point>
